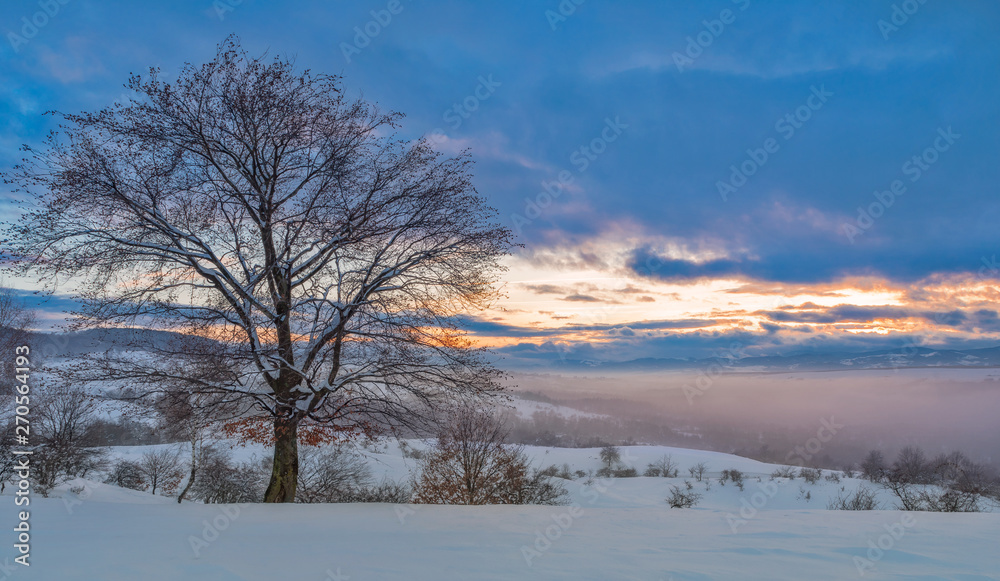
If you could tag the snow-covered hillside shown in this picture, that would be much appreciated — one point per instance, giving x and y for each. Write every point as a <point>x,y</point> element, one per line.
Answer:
<point>614,529</point>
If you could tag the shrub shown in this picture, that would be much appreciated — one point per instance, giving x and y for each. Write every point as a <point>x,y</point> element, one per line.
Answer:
<point>784,472</point>
<point>664,467</point>
<point>698,471</point>
<point>409,451</point>
<point>126,474</point>
<point>551,471</point>
<point>221,481</point>
<point>832,477</point>
<point>386,491</point>
<point>331,474</point>
<point>811,475</point>
<point>470,464</point>
<point>873,467</point>
<point>162,469</point>
<point>732,474</point>
<point>682,498</point>
<point>863,499</point>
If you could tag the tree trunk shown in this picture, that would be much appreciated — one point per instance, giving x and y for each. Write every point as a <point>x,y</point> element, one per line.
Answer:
<point>194,468</point>
<point>285,473</point>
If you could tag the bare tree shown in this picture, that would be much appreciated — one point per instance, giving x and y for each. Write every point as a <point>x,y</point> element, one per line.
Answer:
<point>698,470</point>
<point>611,456</point>
<point>873,467</point>
<point>911,467</point>
<point>61,419</point>
<point>186,416</point>
<point>15,323</point>
<point>257,206</point>
<point>161,469</point>
<point>470,464</point>
<point>665,467</point>
<point>331,474</point>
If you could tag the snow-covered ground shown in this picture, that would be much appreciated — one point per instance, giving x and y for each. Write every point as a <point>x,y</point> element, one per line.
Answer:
<point>614,529</point>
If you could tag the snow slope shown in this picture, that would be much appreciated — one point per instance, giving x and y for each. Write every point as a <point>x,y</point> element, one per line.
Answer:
<point>615,529</point>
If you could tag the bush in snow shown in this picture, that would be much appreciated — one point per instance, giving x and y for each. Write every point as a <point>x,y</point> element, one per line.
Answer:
<point>162,470</point>
<point>732,474</point>
<point>811,475</point>
<point>328,474</point>
<point>471,464</point>
<point>863,499</point>
<point>680,498</point>
<point>409,451</point>
<point>127,474</point>
<point>219,480</point>
<point>386,491</point>
<point>832,477</point>
<point>664,467</point>
<point>873,467</point>
<point>698,471</point>
<point>624,472</point>
<point>784,472</point>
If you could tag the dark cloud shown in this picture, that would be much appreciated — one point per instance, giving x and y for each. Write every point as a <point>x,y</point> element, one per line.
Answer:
<point>582,298</point>
<point>802,267</point>
<point>546,289</point>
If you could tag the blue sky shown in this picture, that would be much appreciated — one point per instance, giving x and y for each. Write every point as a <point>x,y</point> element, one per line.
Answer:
<point>638,242</point>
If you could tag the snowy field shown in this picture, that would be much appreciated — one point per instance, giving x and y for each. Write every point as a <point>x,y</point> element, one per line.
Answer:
<point>614,529</point>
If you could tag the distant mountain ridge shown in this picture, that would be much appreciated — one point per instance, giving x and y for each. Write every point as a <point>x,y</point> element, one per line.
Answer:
<point>100,340</point>
<point>918,357</point>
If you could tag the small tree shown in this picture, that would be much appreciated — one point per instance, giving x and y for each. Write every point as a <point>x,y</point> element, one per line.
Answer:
<point>698,471</point>
<point>681,498</point>
<point>162,469</point>
<point>127,474</point>
<point>62,417</point>
<point>470,464</point>
<point>664,467</point>
<point>610,456</point>
<point>911,467</point>
<point>874,467</point>
<point>331,474</point>
<point>863,498</point>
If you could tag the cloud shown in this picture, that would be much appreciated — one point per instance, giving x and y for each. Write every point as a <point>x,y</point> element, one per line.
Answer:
<point>582,298</point>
